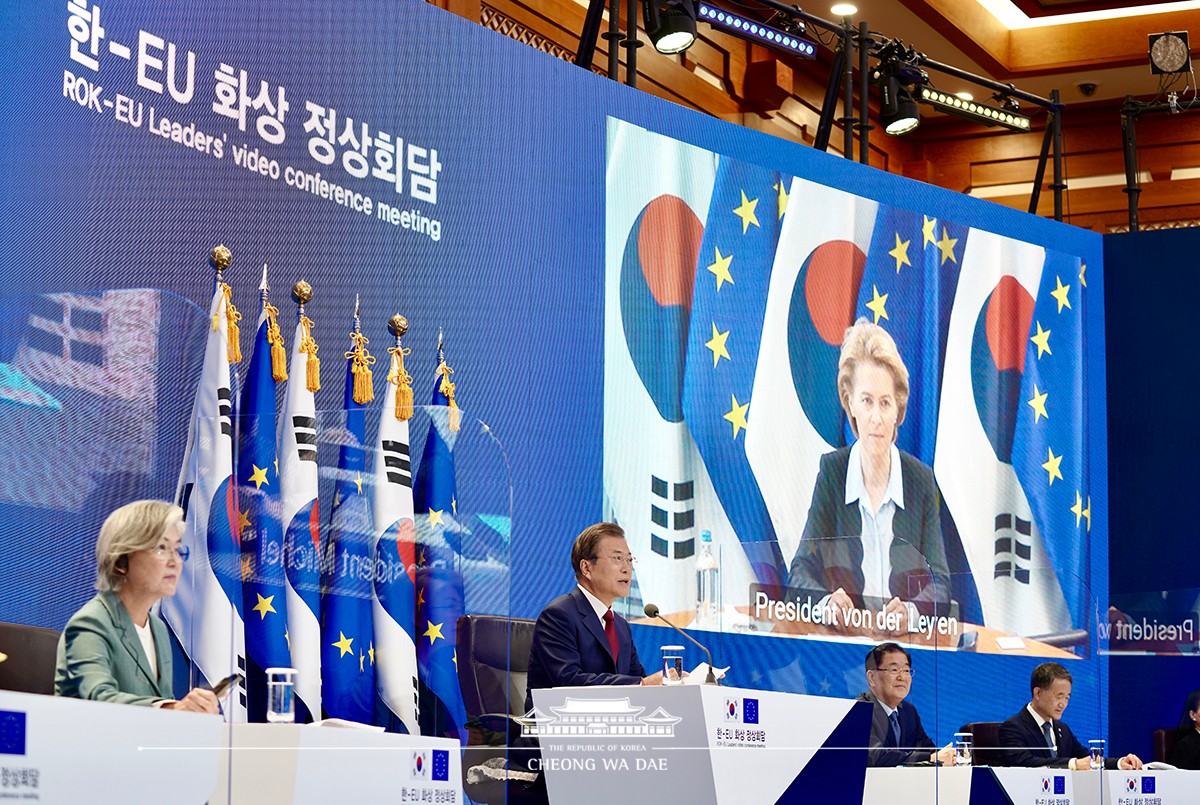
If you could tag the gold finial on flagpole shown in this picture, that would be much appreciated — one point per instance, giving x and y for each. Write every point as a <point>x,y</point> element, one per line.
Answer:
<point>220,259</point>
<point>302,294</point>
<point>398,326</point>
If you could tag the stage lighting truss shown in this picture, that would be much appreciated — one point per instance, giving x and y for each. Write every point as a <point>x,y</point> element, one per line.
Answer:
<point>754,31</point>
<point>1007,114</point>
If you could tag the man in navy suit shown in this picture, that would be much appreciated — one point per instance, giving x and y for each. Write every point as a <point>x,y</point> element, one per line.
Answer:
<point>578,639</point>
<point>1037,736</point>
<point>897,737</point>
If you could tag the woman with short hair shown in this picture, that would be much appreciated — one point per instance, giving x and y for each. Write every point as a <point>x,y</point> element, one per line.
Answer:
<point>874,529</point>
<point>112,649</point>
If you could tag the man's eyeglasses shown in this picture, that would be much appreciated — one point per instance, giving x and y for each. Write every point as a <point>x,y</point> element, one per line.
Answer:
<point>896,671</point>
<point>162,553</point>
<point>618,559</point>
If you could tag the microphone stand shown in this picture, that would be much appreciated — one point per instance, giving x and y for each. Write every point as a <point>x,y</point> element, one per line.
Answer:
<point>652,612</point>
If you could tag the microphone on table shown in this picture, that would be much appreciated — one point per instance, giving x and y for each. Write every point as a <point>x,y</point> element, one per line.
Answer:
<point>651,611</point>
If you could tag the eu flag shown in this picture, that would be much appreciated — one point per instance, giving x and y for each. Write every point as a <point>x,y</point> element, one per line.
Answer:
<point>347,647</point>
<point>908,287</point>
<point>439,568</point>
<point>1049,445</point>
<point>728,303</point>
<point>265,603</point>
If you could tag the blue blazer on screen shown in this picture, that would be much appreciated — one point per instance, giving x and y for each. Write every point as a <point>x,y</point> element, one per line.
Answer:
<point>570,648</point>
<point>915,745</point>
<point>1024,743</point>
<point>100,656</point>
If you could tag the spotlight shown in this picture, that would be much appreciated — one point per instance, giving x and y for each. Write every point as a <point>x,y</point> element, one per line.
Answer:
<point>1007,115</point>
<point>1169,53</point>
<point>670,24</point>
<point>779,38</point>
<point>897,110</point>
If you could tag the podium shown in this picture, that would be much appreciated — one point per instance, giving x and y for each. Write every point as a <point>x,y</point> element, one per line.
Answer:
<point>698,744</point>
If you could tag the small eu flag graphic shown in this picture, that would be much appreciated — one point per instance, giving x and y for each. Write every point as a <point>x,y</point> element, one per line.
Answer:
<point>1060,784</point>
<point>1148,785</point>
<point>441,765</point>
<point>750,711</point>
<point>12,732</point>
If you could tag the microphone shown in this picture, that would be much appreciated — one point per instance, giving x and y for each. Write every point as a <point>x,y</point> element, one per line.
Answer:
<point>651,611</point>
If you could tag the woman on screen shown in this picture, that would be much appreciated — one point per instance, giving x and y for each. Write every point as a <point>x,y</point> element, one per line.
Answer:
<point>873,532</point>
<point>113,649</point>
<point>1185,754</point>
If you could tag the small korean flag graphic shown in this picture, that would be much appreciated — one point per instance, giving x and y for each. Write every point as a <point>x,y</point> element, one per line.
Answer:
<point>731,709</point>
<point>1045,785</point>
<point>750,711</point>
<point>1131,784</point>
<point>441,765</point>
<point>420,766</point>
<point>1060,784</point>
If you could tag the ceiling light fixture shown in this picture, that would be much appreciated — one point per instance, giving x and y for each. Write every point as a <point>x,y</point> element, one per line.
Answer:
<point>1004,115</point>
<point>758,32</point>
<point>670,24</point>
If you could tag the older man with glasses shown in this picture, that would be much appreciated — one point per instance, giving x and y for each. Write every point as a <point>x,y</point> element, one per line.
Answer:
<point>897,737</point>
<point>578,639</point>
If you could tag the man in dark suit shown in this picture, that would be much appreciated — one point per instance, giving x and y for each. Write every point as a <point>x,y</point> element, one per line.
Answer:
<point>1037,736</point>
<point>897,737</point>
<point>578,639</point>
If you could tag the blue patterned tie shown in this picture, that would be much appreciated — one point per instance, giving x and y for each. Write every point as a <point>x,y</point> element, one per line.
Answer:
<point>894,729</point>
<point>1048,731</point>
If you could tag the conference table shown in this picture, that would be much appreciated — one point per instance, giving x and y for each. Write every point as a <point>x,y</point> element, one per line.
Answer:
<point>695,744</point>
<point>56,750</point>
<point>1012,786</point>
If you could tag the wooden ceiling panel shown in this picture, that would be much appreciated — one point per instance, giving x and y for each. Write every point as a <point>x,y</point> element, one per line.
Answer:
<point>1045,50</point>
<point>1036,9</point>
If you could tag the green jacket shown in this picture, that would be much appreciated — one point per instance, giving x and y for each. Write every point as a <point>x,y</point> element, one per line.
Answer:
<point>100,656</point>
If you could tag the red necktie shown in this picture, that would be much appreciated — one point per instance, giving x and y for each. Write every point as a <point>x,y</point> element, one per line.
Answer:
<point>610,630</point>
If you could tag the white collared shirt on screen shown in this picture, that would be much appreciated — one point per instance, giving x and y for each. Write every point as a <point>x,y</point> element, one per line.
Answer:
<point>876,525</point>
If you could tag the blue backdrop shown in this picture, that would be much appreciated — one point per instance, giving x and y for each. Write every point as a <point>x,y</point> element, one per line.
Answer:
<point>498,239</point>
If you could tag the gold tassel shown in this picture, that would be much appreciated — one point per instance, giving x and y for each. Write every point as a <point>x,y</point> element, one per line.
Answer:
<point>454,416</point>
<point>308,345</point>
<point>232,317</point>
<point>403,381</point>
<point>275,339</point>
<point>363,391</point>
